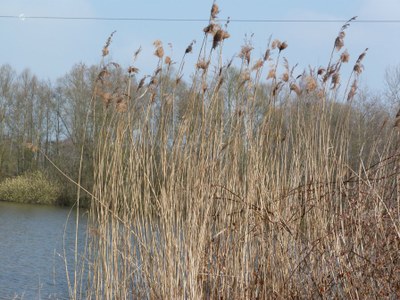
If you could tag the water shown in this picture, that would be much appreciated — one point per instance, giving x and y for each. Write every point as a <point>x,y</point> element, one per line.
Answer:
<point>32,252</point>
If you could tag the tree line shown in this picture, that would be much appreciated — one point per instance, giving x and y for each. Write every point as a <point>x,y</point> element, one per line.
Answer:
<point>53,116</point>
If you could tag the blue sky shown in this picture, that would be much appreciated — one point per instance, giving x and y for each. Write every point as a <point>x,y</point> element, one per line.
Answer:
<point>51,47</point>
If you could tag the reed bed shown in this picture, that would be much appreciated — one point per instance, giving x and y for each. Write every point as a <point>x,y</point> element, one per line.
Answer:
<point>248,183</point>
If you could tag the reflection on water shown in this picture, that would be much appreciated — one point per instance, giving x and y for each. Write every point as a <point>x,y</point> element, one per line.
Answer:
<point>32,251</point>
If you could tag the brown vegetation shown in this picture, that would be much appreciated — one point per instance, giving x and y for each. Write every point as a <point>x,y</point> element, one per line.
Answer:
<point>240,189</point>
<point>248,183</point>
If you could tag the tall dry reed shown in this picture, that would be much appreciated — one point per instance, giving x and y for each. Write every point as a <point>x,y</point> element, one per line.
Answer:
<point>249,183</point>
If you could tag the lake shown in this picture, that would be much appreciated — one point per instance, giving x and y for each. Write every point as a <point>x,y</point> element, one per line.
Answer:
<point>32,250</point>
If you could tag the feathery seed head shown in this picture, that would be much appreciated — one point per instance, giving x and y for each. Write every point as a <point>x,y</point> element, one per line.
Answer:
<point>214,11</point>
<point>344,57</point>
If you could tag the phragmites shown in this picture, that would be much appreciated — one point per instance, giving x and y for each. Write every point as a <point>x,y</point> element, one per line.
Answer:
<point>168,60</point>
<point>267,54</point>
<point>278,44</point>
<point>397,122</point>
<point>244,77</point>
<point>108,42</point>
<point>141,83</point>
<point>295,88</point>
<point>344,57</point>
<point>119,99</point>
<point>215,29</point>
<point>214,11</point>
<point>358,67</point>
<point>159,49</point>
<point>271,74</point>
<point>352,91</point>
<point>107,98</point>
<point>189,48</point>
<point>282,46</point>
<point>258,64</point>
<point>202,64</point>
<point>211,28</point>
<point>285,77</point>
<point>245,53</point>
<point>219,36</point>
<point>335,81</point>
<point>311,84</point>
<point>132,70</point>
<point>121,103</point>
<point>339,41</point>
<point>136,54</point>
<point>103,74</point>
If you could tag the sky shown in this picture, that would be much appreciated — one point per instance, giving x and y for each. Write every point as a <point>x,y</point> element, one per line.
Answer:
<point>49,48</point>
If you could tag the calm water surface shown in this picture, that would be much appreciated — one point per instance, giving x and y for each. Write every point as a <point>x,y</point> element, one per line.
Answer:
<point>31,250</point>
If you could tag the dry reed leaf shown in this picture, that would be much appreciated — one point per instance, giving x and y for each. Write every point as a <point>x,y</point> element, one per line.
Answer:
<point>352,91</point>
<point>267,54</point>
<point>220,82</point>
<point>158,70</point>
<point>136,54</point>
<point>141,83</point>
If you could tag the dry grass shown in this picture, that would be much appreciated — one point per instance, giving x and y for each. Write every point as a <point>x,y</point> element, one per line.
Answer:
<point>242,187</point>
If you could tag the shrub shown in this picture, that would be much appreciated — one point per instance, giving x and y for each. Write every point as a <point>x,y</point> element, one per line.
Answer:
<point>30,188</point>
